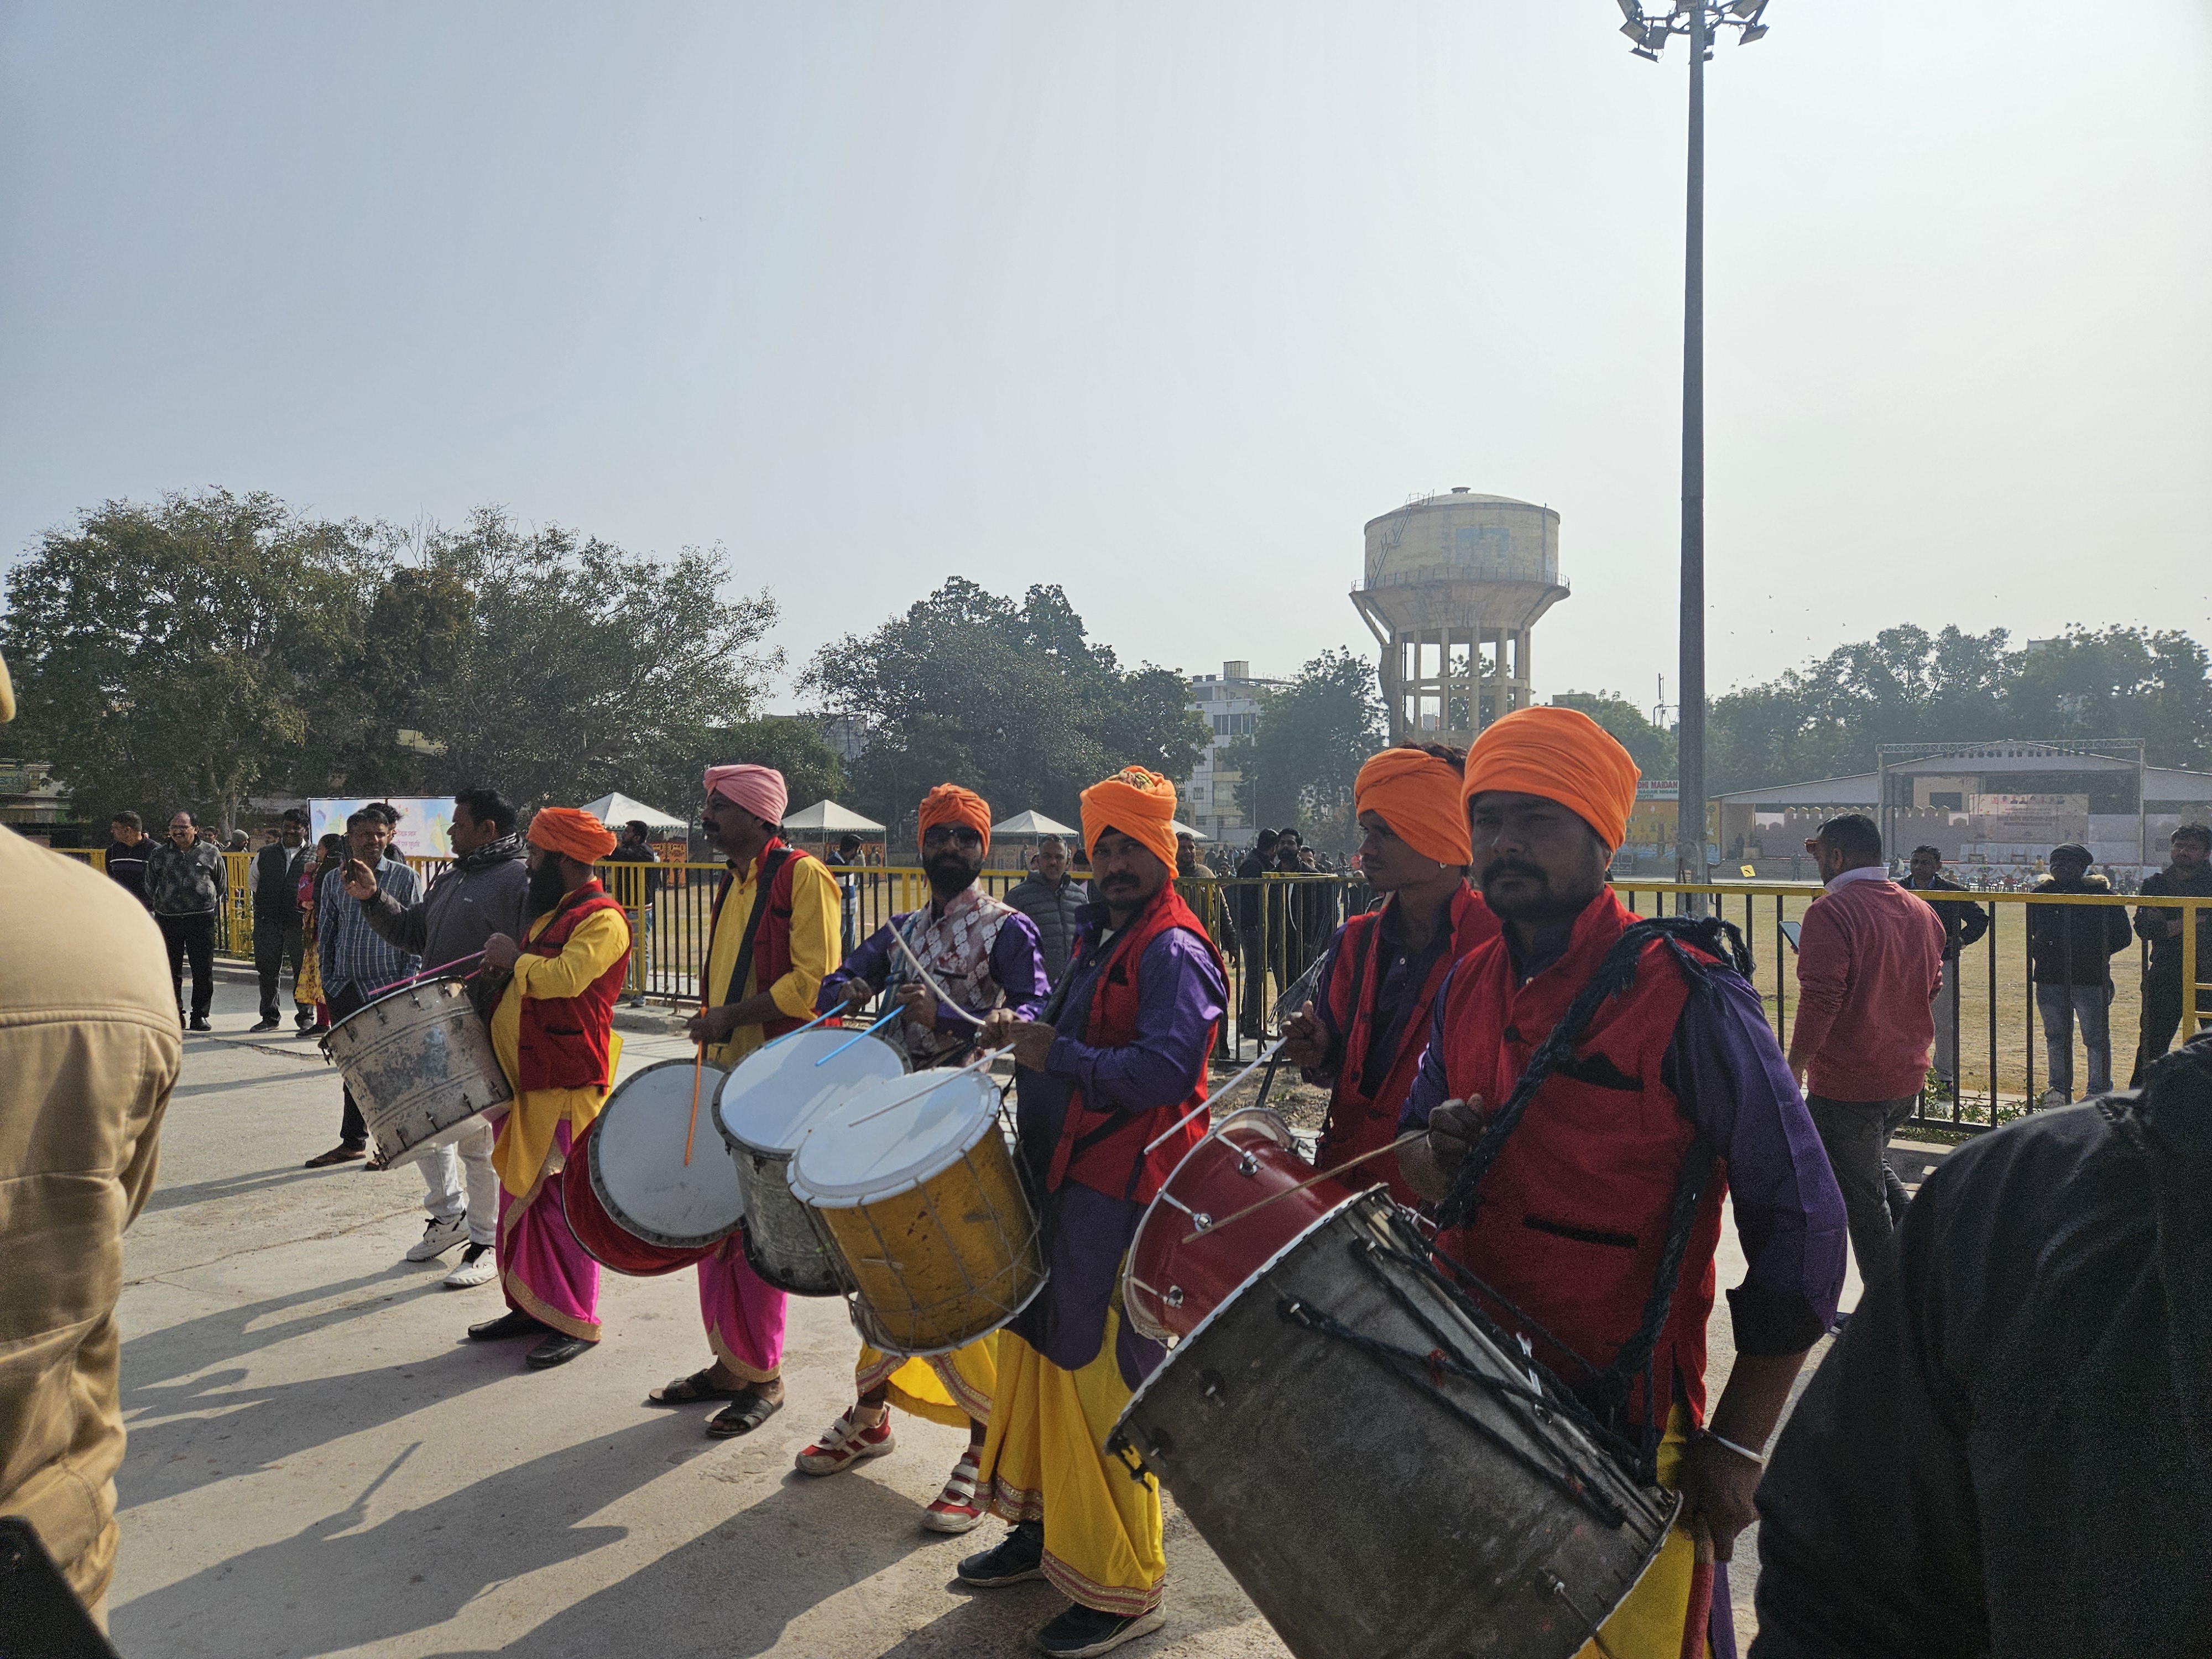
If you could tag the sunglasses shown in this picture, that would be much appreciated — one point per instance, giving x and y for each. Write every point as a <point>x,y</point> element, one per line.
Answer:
<point>940,835</point>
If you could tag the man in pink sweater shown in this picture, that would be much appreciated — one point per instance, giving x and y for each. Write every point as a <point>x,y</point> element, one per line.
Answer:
<point>1869,960</point>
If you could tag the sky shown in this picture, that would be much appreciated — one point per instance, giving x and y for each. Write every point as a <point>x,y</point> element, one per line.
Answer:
<point>1161,302</point>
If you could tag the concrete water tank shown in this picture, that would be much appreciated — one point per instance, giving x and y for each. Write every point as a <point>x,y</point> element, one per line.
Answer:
<point>1453,586</point>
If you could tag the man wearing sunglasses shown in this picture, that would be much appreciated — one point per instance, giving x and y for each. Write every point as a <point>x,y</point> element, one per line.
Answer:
<point>983,954</point>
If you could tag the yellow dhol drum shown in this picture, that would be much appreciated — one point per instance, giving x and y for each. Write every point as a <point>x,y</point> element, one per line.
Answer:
<point>913,1180</point>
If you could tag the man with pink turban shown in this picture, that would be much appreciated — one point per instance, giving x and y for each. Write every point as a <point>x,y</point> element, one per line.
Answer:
<point>772,939</point>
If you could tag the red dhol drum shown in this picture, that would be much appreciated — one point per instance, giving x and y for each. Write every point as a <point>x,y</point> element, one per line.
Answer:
<point>1172,1281</point>
<point>632,1202</point>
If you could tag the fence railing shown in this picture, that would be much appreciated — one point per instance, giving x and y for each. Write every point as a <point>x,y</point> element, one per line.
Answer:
<point>1997,1035</point>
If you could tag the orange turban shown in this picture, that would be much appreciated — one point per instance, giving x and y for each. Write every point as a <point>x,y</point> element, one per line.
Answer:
<point>1563,755</point>
<point>949,804</point>
<point>1139,803</point>
<point>577,834</point>
<point>1417,796</point>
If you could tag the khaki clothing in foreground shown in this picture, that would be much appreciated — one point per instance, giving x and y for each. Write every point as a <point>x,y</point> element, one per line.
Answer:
<point>89,1050</point>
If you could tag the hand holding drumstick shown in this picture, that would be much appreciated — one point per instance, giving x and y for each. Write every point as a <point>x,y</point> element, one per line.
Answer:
<point>1030,1040</point>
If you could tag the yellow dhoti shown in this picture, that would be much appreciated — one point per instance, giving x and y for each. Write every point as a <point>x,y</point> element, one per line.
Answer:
<point>1647,1625</point>
<point>952,1389</point>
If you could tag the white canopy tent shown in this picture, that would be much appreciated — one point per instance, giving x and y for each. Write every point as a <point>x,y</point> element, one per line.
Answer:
<point>617,810</point>
<point>826,817</point>
<point>1182,828</point>
<point>1033,823</point>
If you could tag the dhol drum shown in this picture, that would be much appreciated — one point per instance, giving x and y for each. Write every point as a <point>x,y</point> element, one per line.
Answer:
<point>1187,1256</point>
<point>914,1181</point>
<point>761,1111</point>
<point>1480,1521</point>
<point>420,1067</point>
<point>633,1203</point>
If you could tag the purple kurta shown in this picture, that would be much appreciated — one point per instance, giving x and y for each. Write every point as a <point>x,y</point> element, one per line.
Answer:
<point>1017,967</point>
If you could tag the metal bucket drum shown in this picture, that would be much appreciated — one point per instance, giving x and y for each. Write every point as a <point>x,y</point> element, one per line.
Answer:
<point>1170,1282</point>
<point>914,1180</point>
<point>761,1111</point>
<point>633,1203</point>
<point>420,1067</point>
<point>1531,1534</point>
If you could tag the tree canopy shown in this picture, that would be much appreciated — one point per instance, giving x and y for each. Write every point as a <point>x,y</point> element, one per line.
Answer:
<point>1652,748</point>
<point>1010,699</point>
<point>1297,765</point>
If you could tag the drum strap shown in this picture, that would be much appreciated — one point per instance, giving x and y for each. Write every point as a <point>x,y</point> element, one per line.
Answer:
<point>770,867</point>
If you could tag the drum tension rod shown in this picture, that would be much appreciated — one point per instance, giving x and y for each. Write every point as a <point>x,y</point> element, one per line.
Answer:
<point>1559,1588</point>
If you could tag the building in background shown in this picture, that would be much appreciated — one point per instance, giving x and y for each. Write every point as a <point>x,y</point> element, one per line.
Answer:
<point>1453,586</point>
<point>32,804</point>
<point>1229,702</point>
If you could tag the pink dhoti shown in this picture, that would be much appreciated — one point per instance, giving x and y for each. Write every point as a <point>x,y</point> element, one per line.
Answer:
<point>743,1313</point>
<point>542,1270</point>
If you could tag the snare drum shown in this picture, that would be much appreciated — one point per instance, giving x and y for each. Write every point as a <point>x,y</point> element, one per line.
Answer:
<point>761,1111</point>
<point>1331,1358</point>
<point>914,1182</point>
<point>1171,1280</point>
<point>421,1067</point>
<point>632,1202</point>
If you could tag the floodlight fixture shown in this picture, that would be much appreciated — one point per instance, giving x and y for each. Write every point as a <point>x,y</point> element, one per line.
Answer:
<point>1756,32</point>
<point>1745,8</point>
<point>1634,31</point>
<point>1631,10</point>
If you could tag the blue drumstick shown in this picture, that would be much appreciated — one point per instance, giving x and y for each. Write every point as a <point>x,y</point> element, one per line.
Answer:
<point>830,1013</point>
<point>871,1031</point>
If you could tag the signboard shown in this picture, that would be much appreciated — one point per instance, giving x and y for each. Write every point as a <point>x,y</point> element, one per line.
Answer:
<point>425,823</point>
<point>1658,789</point>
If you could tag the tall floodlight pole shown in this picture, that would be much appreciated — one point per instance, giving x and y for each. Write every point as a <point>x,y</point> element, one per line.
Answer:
<point>1701,21</point>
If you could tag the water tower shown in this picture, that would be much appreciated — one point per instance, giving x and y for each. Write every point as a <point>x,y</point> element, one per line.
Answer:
<point>1454,585</point>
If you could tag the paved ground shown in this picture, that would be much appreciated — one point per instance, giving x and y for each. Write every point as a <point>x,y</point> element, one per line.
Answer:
<point>319,1464</point>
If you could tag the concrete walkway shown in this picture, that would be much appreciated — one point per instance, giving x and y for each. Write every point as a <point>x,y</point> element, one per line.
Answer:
<point>319,1464</point>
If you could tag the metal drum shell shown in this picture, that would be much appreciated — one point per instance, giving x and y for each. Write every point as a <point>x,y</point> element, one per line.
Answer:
<point>420,1067</point>
<point>1252,1418</point>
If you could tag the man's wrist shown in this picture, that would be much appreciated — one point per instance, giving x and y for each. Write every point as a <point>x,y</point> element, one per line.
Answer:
<point>1758,1458</point>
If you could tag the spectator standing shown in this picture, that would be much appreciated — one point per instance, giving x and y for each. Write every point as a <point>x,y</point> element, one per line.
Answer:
<point>128,849</point>
<point>2188,876</point>
<point>2069,953</point>
<point>479,893</point>
<point>1871,956</point>
<point>1050,897</point>
<point>1204,895</point>
<point>1964,923</point>
<point>354,959</point>
<point>185,880</point>
<point>633,845</point>
<point>330,854</point>
<point>278,934</point>
<point>847,857</point>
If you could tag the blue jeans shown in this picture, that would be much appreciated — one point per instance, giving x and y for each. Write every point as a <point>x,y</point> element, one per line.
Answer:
<point>2059,1006</point>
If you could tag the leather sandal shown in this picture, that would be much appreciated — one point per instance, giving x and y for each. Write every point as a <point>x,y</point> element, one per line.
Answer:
<point>746,1412</point>
<point>338,1154</point>
<point>692,1390</point>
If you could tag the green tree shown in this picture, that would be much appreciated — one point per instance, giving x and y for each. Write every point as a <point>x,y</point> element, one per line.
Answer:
<point>1013,700</point>
<point>1652,750</point>
<point>1298,764</point>
<point>164,653</point>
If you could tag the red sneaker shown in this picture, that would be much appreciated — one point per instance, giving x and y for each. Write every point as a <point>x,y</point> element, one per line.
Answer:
<point>956,1509</point>
<point>848,1440</point>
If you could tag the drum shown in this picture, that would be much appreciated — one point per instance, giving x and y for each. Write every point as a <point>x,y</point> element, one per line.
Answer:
<point>1332,1358</point>
<point>633,1203</point>
<point>761,1111</point>
<point>1171,1280</point>
<point>914,1180</point>
<point>420,1067</point>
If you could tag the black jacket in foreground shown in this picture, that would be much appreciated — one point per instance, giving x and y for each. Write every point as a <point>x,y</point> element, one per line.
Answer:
<point>2009,1452</point>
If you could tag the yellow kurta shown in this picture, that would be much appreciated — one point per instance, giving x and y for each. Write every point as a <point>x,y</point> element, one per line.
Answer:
<point>526,1135</point>
<point>1648,1623</point>
<point>815,950</point>
<point>952,1389</point>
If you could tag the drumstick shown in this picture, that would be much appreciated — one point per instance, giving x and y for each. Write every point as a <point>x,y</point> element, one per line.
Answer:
<point>1700,1610</point>
<point>1410,1135</point>
<point>871,1031</point>
<point>698,1073</point>
<point>1296,989</point>
<point>936,990</point>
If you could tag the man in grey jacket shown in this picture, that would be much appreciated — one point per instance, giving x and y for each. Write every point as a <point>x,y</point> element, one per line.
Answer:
<point>1053,899</point>
<point>479,893</point>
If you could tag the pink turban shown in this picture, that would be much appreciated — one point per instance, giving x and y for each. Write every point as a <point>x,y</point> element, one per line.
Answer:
<point>758,790</point>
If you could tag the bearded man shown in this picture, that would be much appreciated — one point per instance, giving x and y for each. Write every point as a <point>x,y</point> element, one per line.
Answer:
<point>772,940</point>
<point>985,955</point>
<point>553,1032</point>
<point>1563,1211</point>
<point>1112,1081</point>
<point>1363,1034</point>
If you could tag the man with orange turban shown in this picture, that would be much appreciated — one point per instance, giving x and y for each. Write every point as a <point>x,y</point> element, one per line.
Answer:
<point>553,1030</point>
<point>982,954</point>
<point>1112,1081</point>
<point>1363,1034</point>
<point>1560,1173</point>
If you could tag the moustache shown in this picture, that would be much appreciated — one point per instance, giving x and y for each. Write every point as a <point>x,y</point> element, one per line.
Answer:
<point>1499,869</point>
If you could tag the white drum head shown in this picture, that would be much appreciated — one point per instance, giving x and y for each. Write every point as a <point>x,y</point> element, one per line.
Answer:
<point>637,1159</point>
<point>763,1105</point>
<point>892,1135</point>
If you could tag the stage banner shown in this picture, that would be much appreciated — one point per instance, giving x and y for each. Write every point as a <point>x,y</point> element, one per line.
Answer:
<point>425,830</point>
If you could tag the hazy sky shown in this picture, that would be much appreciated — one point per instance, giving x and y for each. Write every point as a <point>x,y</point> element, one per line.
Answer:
<point>1159,301</point>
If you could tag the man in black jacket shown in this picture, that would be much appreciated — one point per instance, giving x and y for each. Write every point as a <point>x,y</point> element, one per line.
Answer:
<point>1964,922</point>
<point>637,892</point>
<point>2189,876</point>
<point>2070,951</point>
<point>279,935</point>
<point>1052,898</point>
<point>127,853</point>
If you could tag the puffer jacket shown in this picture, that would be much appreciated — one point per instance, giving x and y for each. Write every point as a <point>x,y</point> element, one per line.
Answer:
<point>2073,944</point>
<point>1057,910</point>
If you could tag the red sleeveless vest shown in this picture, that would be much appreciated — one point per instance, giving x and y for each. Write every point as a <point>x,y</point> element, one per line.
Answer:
<point>1574,1214</point>
<point>1114,1160</point>
<point>772,945</point>
<point>1359,1122</point>
<point>563,1041</point>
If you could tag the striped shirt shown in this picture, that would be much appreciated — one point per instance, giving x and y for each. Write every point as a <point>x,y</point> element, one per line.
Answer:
<point>351,951</point>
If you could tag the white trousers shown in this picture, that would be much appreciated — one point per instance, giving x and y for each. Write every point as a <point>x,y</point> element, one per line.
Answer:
<point>442,1172</point>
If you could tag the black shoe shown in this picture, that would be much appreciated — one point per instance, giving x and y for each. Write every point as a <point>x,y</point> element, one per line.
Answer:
<point>558,1349</point>
<point>305,1022</point>
<point>1082,1632</point>
<point>512,1322</point>
<point>1841,1319</point>
<point>200,1023</point>
<point>1019,1558</point>
<point>269,1022</point>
